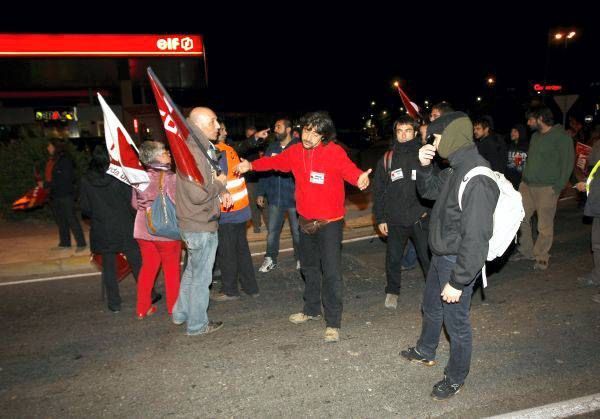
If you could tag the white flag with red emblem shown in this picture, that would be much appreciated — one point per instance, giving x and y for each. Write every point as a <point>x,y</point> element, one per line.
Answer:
<point>124,161</point>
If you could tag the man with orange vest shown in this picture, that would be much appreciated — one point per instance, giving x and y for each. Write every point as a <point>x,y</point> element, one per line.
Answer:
<point>233,253</point>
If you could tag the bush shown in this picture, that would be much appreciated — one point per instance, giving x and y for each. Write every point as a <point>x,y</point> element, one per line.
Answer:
<point>18,161</point>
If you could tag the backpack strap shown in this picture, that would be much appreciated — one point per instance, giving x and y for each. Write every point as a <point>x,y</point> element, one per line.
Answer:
<point>476,171</point>
<point>387,160</point>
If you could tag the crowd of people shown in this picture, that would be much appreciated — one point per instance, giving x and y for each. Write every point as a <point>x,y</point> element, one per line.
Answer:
<point>427,205</point>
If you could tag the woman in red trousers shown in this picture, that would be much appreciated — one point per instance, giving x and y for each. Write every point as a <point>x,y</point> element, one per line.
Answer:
<point>156,250</point>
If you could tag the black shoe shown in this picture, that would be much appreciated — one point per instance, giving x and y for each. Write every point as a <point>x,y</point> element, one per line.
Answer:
<point>444,390</point>
<point>114,309</point>
<point>157,297</point>
<point>414,356</point>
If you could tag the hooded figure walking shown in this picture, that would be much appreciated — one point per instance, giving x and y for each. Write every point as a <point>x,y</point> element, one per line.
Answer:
<point>459,241</point>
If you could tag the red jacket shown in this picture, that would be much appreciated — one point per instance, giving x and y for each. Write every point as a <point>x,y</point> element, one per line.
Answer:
<point>323,196</point>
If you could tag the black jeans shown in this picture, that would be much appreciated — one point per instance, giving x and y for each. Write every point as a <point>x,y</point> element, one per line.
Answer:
<point>234,260</point>
<point>63,209</point>
<point>322,253</point>
<point>454,316</point>
<point>109,274</point>
<point>396,243</point>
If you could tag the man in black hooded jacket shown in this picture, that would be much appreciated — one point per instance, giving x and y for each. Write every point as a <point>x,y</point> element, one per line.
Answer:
<point>459,241</point>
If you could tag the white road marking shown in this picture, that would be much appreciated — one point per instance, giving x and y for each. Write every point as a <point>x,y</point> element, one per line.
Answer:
<point>562,409</point>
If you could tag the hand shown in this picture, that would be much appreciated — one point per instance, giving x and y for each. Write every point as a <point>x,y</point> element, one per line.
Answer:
<point>260,201</point>
<point>451,294</point>
<point>426,154</point>
<point>226,200</point>
<point>580,186</point>
<point>40,184</point>
<point>262,134</point>
<point>383,228</point>
<point>581,161</point>
<point>243,167</point>
<point>363,180</point>
<point>222,178</point>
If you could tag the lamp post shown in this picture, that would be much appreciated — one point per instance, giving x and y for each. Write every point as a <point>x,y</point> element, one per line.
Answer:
<point>556,36</point>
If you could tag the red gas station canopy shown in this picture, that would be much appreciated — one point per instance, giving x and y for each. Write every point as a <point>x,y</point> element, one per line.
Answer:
<point>99,45</point>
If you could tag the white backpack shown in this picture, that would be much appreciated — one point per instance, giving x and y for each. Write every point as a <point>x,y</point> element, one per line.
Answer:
<point>508,215</point>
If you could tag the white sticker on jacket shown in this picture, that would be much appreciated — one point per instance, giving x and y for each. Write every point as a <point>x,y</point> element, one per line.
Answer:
<point>273,155</point>
<point>397,175</point>
<point>413,175</point>
<point>318,178</point>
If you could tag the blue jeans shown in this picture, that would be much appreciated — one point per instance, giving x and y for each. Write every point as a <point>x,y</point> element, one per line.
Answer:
<point>192,303</point>
<point>455,316</point>
<point>276,219</point>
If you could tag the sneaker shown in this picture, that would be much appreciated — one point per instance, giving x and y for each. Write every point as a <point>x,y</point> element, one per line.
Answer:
<point>407,268</point>
<point>443,390</point>
<point>518,256</point>
<point>414,356</point>
<point>177,322</point>
<point>540,265</point>
<point>332,334</point>
<point>115,309</point>
<point>211,327</point>
<point>298,265</point>
<point>391,301</point>
<point>267,265</point>
<point>80,249</point>
<point>56,248</point>
<point>596,298</point>
<point>220,296</point>
<point>300,318</point>
<point>588,280</point>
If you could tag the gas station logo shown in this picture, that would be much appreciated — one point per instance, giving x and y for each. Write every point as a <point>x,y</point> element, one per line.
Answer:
<point>173,44</point>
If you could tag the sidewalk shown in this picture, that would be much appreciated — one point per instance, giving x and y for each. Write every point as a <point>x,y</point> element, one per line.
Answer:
<point>25,246</point>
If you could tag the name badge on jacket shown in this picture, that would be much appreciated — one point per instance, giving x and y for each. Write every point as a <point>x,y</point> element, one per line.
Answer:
<point>397,175</point>
<point>413,176</point>
<point>318,178</point>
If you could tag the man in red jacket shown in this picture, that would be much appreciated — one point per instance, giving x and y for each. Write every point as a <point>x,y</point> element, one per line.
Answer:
<point>320,167</point>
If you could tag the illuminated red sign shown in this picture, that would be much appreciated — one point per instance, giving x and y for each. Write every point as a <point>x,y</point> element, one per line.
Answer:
<point>551,87</point>
<point>72,45</point>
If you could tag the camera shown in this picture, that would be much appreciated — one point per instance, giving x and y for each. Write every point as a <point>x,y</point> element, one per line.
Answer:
<point>430,139</point>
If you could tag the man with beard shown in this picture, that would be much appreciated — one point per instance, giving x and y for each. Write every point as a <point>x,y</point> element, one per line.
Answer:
<point>490,146</point>
<point>320,167</point>
<point>277,191</point>
<point>549,166</point>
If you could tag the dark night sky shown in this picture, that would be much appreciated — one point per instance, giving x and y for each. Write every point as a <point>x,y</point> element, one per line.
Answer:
<point>310,57</point>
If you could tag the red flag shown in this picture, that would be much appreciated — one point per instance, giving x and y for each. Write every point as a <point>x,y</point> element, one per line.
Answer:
<point>411,107</point>
<point>176,130</point>
<point>35,197</point>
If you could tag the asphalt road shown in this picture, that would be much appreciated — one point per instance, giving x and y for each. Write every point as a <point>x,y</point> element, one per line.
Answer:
<point>536,341</point>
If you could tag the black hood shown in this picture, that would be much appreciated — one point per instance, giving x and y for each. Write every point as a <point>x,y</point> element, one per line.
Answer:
<point>100,180</point>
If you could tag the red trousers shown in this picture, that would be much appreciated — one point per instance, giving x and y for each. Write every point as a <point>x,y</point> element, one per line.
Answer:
<point>155,253</point>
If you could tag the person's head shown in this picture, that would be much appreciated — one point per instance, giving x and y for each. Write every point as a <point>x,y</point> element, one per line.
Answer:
<point>540,118</point>
<point>452,132</point>
<point>518,133</point>
<point>56,147</point>
<point>481,128</point>
<point>100,160</point>
<point>404,129</point>
<point>423,133</point>
<point>154,152</point>
<point>206,121</point>
<point>222,136</point>
<point>282,129</point>
<point>440,109</point>
<point>317,127</point>
<point>250,131</point>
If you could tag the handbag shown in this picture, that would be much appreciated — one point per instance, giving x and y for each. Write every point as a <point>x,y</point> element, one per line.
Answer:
<point>161,217</point>
<point>311,226</point>
<point>123,268</point>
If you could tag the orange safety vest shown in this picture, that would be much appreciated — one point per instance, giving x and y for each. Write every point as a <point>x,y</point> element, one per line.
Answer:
<point>236,185</point>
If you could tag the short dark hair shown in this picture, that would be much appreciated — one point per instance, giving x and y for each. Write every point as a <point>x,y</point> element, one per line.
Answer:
<point>321,123</point>
<point>286,122</point>
<point>60,146</point>
<point>483,121</point>
<point>100,159</point>
<point>405,120</point>
<point>443,107</point>
<point>542,112</point>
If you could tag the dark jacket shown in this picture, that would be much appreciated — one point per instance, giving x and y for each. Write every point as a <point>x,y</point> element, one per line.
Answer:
<point>396,202</point>
<point>493,149</point>
<point>107,202</point>
<point>592,204</point>
<point>517,157</point>
<point>277,187</point>
<point>63,177</point>
<point>465,233</point>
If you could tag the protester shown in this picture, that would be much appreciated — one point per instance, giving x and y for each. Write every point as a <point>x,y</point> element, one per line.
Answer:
<point>549,166</point>
<point>276,191</point>
<point>107,202</point>
<point>156,251</point>
<point>320,167</point>
<point>489,144</point>
<point>440,109</point>
<point>198,212</point>
<point>399,212</point>
<point>233,252</point>
<point>59,177</point>
<point>517,154</point>
<point>458,239</point>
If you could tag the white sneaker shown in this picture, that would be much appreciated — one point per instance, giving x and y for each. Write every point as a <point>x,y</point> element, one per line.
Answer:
<point>332,334</point>
<point>297,265</point>
<point>299,318</point>
<point>391,301</point>
<point>267,265</point>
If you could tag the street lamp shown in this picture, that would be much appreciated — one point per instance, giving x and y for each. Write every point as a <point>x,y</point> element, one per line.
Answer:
<point>566,36</point>
<point>491,81</point>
